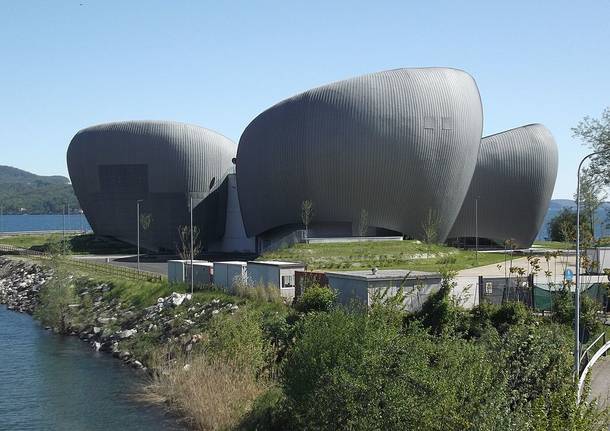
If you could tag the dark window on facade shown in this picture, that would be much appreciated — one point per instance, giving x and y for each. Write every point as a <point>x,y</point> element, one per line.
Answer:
<point>429,123</point>
<point>447,123</point>
<point>131,179</point>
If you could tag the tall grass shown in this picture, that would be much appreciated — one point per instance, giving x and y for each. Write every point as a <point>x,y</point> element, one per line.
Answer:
<point>258,292</point>
<point>213,393</point>
<point>215,384</point>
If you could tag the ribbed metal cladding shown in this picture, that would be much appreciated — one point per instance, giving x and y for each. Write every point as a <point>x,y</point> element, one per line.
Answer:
<point>398,143</point>
<point>180,159</point>
<point>514,181</point>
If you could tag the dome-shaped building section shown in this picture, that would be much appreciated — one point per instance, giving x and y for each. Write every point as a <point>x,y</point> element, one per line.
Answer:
<point>511,188</point>
<point>394,145</point>
<point>162,164</point>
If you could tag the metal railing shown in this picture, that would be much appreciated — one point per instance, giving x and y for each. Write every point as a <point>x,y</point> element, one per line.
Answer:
<point>589,361</point>
<point>584,358</point>
<point>95,267</point>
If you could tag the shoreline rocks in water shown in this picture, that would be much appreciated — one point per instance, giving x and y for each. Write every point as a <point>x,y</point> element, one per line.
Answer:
<point>102,321</point>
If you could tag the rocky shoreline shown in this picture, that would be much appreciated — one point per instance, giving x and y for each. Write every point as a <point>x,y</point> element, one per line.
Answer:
<point>100,319</point>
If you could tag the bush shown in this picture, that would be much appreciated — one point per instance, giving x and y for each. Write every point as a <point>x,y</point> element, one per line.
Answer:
<point>55,299</point>
<point>509,314</point>
<point>564,312</point>
<point>359,371</point>
<point>365,371</point>
<point>316,298</point>
<point>439,313</point>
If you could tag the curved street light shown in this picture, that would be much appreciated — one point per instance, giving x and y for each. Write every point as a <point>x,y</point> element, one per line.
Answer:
<point>577,293</point>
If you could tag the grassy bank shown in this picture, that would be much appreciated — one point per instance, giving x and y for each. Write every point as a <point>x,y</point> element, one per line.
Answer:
<point>79,244</point>
<point>412,255</point>
<point>249,361</point>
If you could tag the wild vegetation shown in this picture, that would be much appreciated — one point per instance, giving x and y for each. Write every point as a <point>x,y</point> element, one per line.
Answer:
<point>257,363</point>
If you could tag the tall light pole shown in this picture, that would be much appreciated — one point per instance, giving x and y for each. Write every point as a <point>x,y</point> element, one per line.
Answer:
<point>192,248</point>
<point>476,229</point>
<point>138,234</point>
<point>63,232</point>
<point>577,293</point>
<point>1,218</point>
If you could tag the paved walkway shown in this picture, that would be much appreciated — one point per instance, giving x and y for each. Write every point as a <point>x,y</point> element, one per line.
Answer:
<point>556,265</point>
<point>600,382</point>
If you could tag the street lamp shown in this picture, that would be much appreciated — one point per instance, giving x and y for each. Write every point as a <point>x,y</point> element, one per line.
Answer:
<point>577,293</point>
<point>192,257</point>
<point>63,232</point>
<point>138,234</point>
<point>476,229</point>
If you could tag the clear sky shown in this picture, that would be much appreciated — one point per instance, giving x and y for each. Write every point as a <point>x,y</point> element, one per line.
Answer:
<point>65,65</point>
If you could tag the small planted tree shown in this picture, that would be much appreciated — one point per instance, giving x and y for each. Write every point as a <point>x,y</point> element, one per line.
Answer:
<point>363,223</point>
<point>184,246</point>
<point>430,227</point>
<point>57,294</point>
<point>145,221</point>
<point>306,215</point>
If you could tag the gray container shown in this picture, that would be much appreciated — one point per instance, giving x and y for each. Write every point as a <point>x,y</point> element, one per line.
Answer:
<point>228,274</point>
<point>176,271</point>
<point>280,275</point>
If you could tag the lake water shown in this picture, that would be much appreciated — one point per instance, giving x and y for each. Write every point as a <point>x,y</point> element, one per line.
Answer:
<point>26,222</point>
<point>52,382</point>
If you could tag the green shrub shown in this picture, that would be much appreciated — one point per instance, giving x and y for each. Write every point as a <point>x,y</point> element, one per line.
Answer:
<point>360,371</point>
<point>509,314</point>
<point>439,313</point>
<point>56,296</point>
<point>563,312</point>
<point>316,298</point>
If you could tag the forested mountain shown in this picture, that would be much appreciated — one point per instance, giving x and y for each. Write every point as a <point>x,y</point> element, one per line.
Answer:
<point>22,192</point>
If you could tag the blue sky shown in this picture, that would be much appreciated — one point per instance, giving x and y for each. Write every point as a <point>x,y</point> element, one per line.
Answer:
<point>218,64</point>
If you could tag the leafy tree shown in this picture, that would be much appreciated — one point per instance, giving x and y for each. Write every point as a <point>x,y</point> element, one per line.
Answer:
<point>595,133</point>
<point>592,195</point>
<point>563,226</point>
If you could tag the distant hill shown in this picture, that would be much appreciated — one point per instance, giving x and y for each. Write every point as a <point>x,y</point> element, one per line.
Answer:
<point>22,192</point>
<point>555,207</point>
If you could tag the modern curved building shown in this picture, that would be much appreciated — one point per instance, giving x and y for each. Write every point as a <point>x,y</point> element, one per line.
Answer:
<point>399,144</point>
<point>511,188</point>
<point>402,147</point>
<point>161,163</point>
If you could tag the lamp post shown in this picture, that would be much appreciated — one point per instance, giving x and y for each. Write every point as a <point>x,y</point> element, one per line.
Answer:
<point>476,229</point>
<point>192,247</point>
<point>138,234</point>
<point>63,232</point>
<point>1,218</point>
<point>577,293</point>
